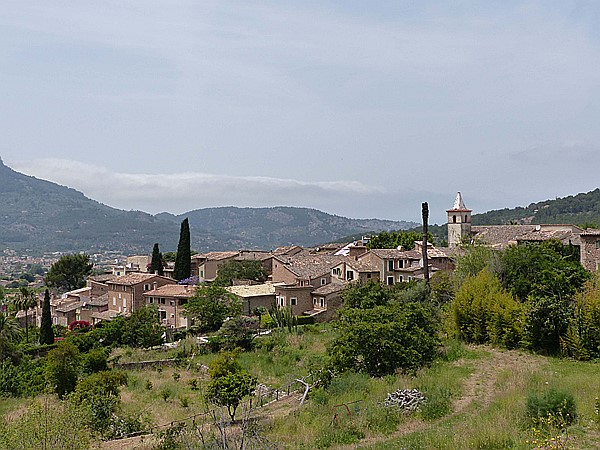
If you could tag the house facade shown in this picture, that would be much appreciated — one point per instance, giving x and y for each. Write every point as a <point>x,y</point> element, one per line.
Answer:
<point>126,293</point>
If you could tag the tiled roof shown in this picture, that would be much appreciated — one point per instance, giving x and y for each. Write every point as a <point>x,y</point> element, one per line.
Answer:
<point>362,265</point>
<point>590,232</point>
<point>133,278</point>
<point>255,290</point>
<point>172,290</point>
<point>331,288</point>
<point>99,301</point>
<point>215,256</point>
<point>253,256</point>
<point>104,278</point>
<point>310,266</point>
<point>499,236</point>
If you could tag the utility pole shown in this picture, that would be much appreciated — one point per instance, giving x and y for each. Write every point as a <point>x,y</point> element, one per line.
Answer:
<point>425,211</point>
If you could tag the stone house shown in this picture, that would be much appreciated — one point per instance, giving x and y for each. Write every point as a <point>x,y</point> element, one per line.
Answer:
<point>170,299</point>
<point>254,295</point>
<point>206,265</point>
<point>126,293</point>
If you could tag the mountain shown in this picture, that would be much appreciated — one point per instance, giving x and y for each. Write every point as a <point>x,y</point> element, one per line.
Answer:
<point>42,216</point>
<point>575,209</point>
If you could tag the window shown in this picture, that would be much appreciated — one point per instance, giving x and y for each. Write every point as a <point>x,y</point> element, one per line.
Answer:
<point>124,302</point>
<point>281,301</point>
<point>172,302</point>
<point>146,287</point>
<point>161,300</point>
<point>400,278</point>
<point>453,219</point>
<point>150,299</point>
<point>400,264</point>
<point>315,301</point>
<point>322,302</point>
<point>368,275</point>
<point>323,281</point>
<point>390,281</point>
<point>202,274</point>
<point>114,301</point>
<point>597,243</point>
<point>123,288</point>
<point>391,265</point>
<point>349,275</point>
<point>172,316</point>
<point>162,315</point>
<point>293,301</point>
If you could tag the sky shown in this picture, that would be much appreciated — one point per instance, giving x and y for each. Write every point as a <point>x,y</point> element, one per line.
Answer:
<point>357,108</point>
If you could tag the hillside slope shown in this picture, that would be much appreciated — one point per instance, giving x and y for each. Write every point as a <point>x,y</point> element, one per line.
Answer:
<point>42,216</point>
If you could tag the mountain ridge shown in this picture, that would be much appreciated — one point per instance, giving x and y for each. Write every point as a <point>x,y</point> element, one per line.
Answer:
<point>44,216</point>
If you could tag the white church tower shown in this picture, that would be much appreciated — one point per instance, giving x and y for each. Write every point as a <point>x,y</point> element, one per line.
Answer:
<point>459,222</point>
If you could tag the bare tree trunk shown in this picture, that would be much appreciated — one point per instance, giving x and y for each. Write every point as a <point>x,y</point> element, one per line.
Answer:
<point>425,210</point>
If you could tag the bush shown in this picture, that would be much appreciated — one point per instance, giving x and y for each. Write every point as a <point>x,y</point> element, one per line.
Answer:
<point>483,312</point>
<point>552,404</point>
<point>305,320</point>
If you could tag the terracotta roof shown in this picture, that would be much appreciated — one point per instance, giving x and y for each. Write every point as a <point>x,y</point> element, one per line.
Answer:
<point>104,278</point>
<point>68,307</point>
<point>331,288</point>
<point>99,301</point>
<point>216,256</point>
<point>590,232</point>
<point>253,256</point>
<point>255,290</point>
<point>500,236</point>
<point>105,315</point>
<point>310,266</point>
<point>362,265</point>
<point>134,278</point>
<point>172,290</point>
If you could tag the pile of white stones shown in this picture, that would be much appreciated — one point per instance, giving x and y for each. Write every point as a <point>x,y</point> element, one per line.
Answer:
<point>405,399</point>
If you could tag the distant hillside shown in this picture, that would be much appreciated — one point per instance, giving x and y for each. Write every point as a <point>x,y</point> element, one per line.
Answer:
<point>234,228</point>
<point>43,216</point>
<point>578,209</point>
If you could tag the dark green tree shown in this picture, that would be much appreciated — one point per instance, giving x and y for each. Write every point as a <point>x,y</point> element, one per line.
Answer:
<point>9,334</point>
<point>366,295</point>
<point>240,270</point>
<point>384,339</point>
<point>210,305</point>
<point>395,239</point>
<point>156,265</point>
<point>46,333</point>
<point>143,328</point>
<point>62,368</point>
<point>69,272</point>
<point>183,260</point>
<point>229,383</point>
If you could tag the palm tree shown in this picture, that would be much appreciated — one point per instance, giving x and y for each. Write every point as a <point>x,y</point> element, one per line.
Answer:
<point>24,302</point>
<point>9,332</point>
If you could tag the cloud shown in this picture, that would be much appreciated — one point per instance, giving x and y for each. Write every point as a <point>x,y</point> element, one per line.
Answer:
<point>190,190</point>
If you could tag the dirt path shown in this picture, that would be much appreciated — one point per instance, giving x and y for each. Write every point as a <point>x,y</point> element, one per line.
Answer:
<point>478,390</point>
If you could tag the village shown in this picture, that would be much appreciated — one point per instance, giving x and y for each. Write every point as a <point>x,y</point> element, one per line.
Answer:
<point>310,281</point>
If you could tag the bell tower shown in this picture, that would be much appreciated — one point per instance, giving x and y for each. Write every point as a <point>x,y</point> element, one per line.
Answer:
<point>459,222</point>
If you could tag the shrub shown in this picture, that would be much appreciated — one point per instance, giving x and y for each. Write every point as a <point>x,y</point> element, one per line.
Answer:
<point>554,404</point>
<point>305,320</point>
<point>483,312</point>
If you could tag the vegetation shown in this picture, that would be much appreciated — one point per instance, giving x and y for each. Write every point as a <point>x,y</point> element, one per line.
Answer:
<point>46,333</point>
<point>240,270</point>
<point>156,264</point>
<point>396,239</point>
<point>183,261</point>
<point>69,272</point>
<point>210,305</point>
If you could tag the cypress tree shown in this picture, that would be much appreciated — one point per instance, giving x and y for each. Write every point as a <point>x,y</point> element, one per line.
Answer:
<point>46,333</point>
<point>183,260</point>
<point>156,266</point>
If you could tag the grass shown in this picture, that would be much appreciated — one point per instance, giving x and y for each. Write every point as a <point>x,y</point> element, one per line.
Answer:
<point>476,397</point>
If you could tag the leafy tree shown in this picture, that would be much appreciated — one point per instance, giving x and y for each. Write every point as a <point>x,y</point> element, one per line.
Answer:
<point>238,332</point>
<point>545,269</point>
<point>143,328</point>
<point>366,295</point>
<point>47,424</point>
<point>547,323</point>
<point>210,305</point>
<point>382,339</point>
<point>9,333</point>
<point>46,333</point>
<point>156,264</point>
<point>229,384</point>
<point>240,270</point>
<point>99,395</point>
<point>69,272</point>
<point>472,259</point>
<point>62,368</point>
<point>183,260</point>
<point>395,239</point>
<point>442,287</point>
